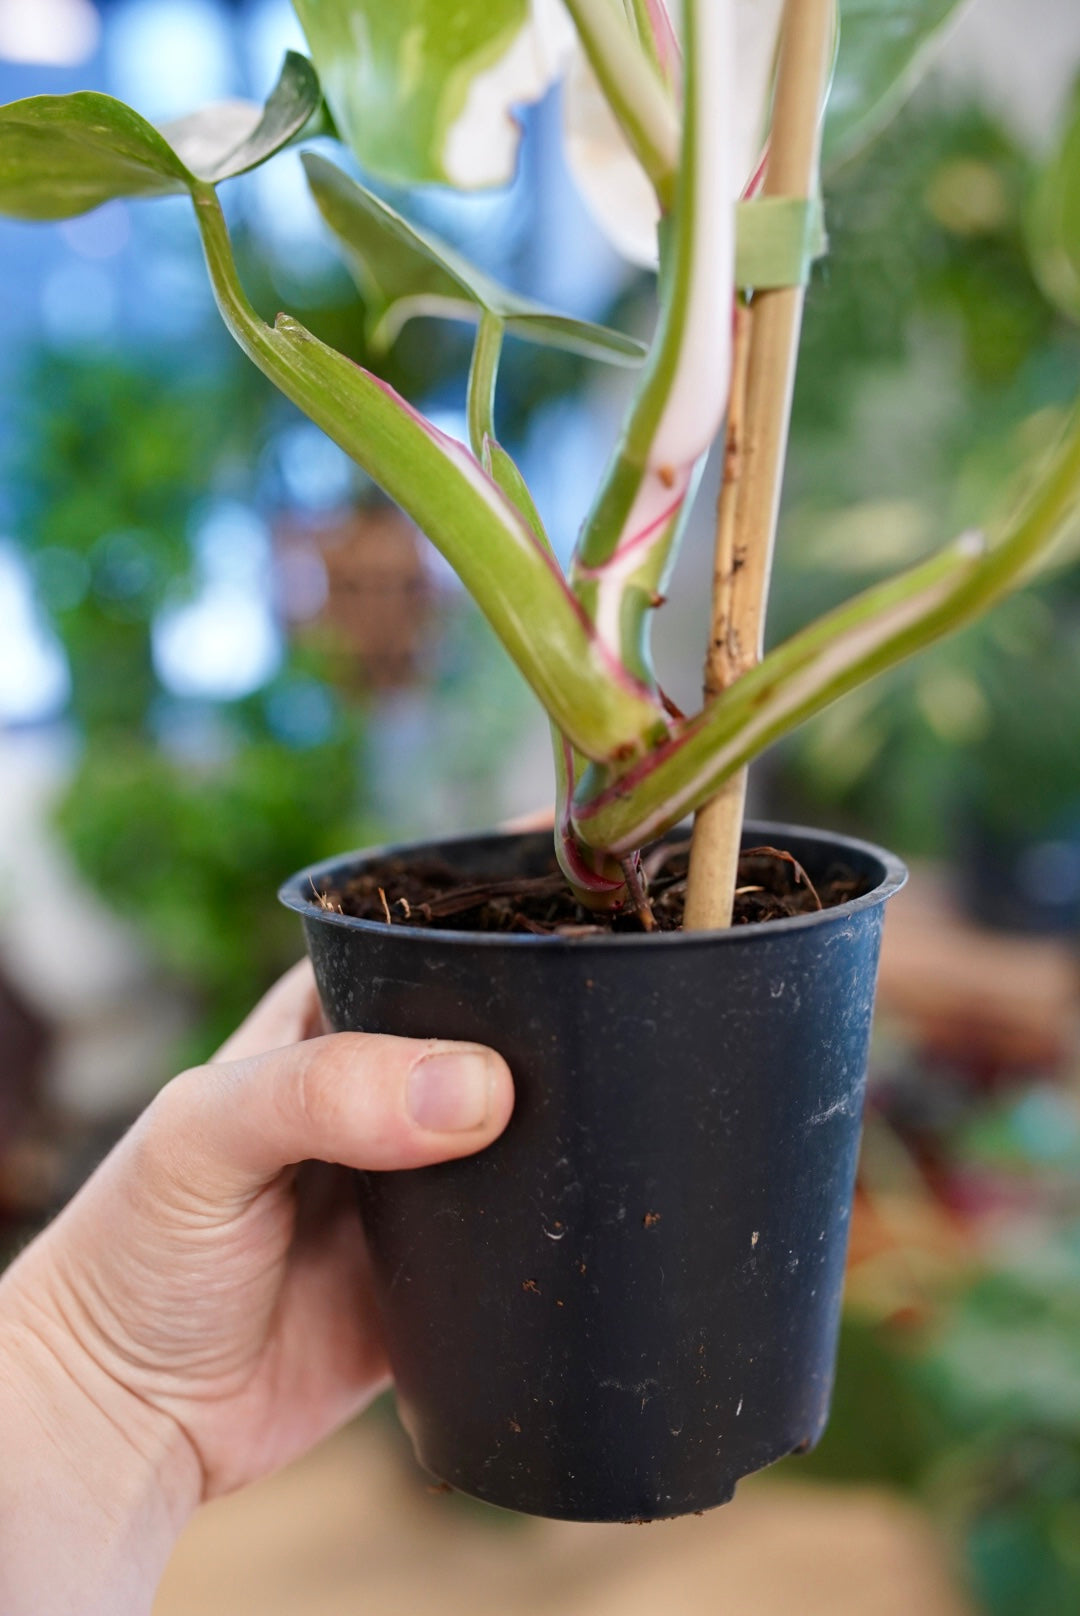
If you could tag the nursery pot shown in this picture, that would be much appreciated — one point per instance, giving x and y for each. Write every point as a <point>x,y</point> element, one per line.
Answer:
<point>632,1298</point>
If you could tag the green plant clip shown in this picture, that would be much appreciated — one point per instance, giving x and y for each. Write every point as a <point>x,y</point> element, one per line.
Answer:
<point>777,240</point>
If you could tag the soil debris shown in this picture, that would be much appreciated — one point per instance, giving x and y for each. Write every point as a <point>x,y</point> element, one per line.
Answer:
<point>429,892</point>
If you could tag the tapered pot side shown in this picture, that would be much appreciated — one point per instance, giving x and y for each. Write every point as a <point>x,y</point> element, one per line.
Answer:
<point>632,1298</point>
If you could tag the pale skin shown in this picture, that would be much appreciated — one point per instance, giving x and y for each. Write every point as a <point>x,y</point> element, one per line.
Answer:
<point>199,1314</point>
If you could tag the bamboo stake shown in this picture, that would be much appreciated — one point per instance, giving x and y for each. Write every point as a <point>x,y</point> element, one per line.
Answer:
<point>714,848</point>
<point>756,447</point>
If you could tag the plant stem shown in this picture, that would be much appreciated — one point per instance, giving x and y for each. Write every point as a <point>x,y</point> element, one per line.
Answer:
<point>657,38</point>
<point>483,373</point>
<point>805,61</point>
<point>632,531</point>
<point>619,811</point>
<point>503,563</point>
<point>634,89</point>
<point>640,898</point>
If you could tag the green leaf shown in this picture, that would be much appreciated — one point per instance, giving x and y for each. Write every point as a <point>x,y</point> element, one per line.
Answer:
<point>403,272</point>
<point>619,810</point>
<point>421,89</point>
<point>61,155</point>
<point>1054,220</point>
<point>634,89</point>
<point>833,655</point>
<point>883,44</point>
<point>502,562</point>
<point>505,474</point>
<point>220,141</point>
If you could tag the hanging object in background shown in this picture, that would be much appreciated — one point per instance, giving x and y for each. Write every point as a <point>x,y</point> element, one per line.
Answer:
<point>379,595</point>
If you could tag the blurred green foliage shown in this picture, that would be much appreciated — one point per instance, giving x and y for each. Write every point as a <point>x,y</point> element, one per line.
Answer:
<point>111,461</point>
<point>1054,218</point>
<point>932,362</point>
<point>184,815</point>
<point>937,352</point>
<point>977,1415</point>
<point>192,851</point>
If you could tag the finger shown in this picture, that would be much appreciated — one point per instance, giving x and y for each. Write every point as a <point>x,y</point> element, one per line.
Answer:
<point>360,1099</point>
<point>287,1014</point>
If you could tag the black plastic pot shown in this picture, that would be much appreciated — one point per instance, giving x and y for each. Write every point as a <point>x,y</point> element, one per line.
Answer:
<point>631,1300</point>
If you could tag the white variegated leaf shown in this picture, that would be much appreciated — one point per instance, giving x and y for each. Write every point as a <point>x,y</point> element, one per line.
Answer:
<point>612,182</point>
<point>425,90</point>
<point>481,143</point>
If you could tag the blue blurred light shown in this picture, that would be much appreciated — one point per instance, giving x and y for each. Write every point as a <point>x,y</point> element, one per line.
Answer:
<point>101,234</point>
<point>78,304</point>
<point>568,439</point>
<point>232,546</point>
<point>220,647</point>
<point>225,643</point>
<point>124,565</point>
<point>284,212</point>
<point>170,57</point>
<point>195,733</point>
<point>316,474</point>
<point>172,296</point>
<point>270,29</point>
<point>301,712</point>
<point>34,678</point>
<point>50,33</point>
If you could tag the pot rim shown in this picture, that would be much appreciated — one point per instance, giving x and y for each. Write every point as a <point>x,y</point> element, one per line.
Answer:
<point>294,894</point>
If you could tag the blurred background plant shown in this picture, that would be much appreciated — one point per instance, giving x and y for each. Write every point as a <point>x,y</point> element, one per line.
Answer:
<point>933,349</point>
<point>932,356</point>
<point>235,659</point>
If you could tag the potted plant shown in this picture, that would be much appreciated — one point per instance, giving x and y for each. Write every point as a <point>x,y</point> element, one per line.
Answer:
<point>631,1300</point>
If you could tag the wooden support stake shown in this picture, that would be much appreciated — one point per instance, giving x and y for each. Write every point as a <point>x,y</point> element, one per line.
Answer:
<point>756,446</point>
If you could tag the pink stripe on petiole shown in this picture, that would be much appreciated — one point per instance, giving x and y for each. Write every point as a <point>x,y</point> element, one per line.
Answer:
<point>471,468</point>
<point>639,540</point>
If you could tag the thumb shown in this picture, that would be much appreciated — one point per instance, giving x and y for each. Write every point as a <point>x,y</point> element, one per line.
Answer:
<point>360,1099</point>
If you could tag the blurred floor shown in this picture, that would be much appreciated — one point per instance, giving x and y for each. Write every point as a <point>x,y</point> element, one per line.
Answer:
<point>351,1528</point>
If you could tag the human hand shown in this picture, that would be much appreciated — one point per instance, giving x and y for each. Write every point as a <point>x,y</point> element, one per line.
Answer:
<point>200,1313</point>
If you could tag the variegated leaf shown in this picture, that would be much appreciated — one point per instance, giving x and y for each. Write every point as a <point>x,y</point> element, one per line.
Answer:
<point>61,155</point>
<point>506,567</point>
<point>423,90</point>
<point>617,810</point>
<point>403,271</point>
<point>235,136</point>
<point>885,46</point>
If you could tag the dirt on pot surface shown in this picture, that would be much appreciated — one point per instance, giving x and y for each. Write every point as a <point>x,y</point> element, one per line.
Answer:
<point>429,892</point>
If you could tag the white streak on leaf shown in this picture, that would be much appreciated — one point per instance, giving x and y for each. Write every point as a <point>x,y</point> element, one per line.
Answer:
<point>613,184</point>
<point>481,144</point>
<point>828,663</point>
<point>698,395</point>
<point>203,139</point>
